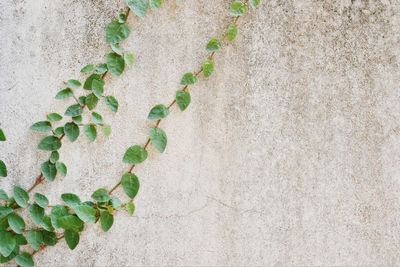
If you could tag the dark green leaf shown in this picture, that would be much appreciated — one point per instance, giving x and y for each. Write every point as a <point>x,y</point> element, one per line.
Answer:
<point>71,131</point>
<point>41,200</point>
<point>130,207</point>
<point>61,168</point>
<point>74,110</point>
<point>16,223</point>
<point>121,18</point>
<point>213,45</point>
<point>35,238</point>
<point>129,59</point>
<point>88,83</point>
<point>37,214</point>
<point>97,118</point>
<point>85,213</point>
<point>88,68</point>
<point>71,200</point>
<point>13,254</point>
<point>158,112</point>
<point>116,32</point>
<point>238,8</point>
<point>77,119</point>
<point>106,130</point>
<point>41,126</point>
<point>24,260</point>
<point>2,136</point>
<point>158,139</point>
<point>3,195</point>
<point>4,223</point>
<point>106,221</point>
<point>49,238</point>
<point>73,84</point>
<point>91,101</point>
<point>54,156</point>
<point>116,203</point>
<point>115,64</point>
<point>189,78</point>
<point>254,3</point>
<point>72,239</point>
<point>98,88</point>
<point>101,195</point>
<point>4,211</point>
<point>64,94</point>
<point>112,103</point>
<point>182,99</point>
<point>21,197</point>
<point>56,213</point>
<point>232,32</point>
<point>46,223</point>
<point>49,143</point>
<point>53,117</point>
<point>82,100</point>
<point>49,171</point>
<point>101,69</point>
<point>7,243</point>
<point>70,222</point>
<point>155,4</point>
<point>130,184</point>
<point>208,68</point>
<point>139,7</point>
<point>135,155</point>
<point>20,240</point>
<point>59,131</point>
<point>90,132</point>
<point>3,169</point>
<point>116,48</point>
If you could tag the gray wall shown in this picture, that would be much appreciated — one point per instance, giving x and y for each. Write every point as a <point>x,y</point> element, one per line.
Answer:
<point>288,155</point>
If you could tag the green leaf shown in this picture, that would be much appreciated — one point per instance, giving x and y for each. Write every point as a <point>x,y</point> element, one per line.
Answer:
<point>24,260</point>
<point>111,103</point>
<point>73,84</point>
<point>3,169</point>
<point>106,221</point>
<point>54,156</point>
<point>97,118</point>
<point>130,207</point>
<point>88,83</point>
<point>49,238</point>
<point>71,238</point>
<point>56,213</point>
<point>91,101</point>
<point>71,200</point>
<point>208,68</point>
<point>4,211</point>
<point>85,213</point>
<point>13,254</point>
<point>59,131</point>
<point>115,64</point>
<point>254,3</point>
<point>88,68</point>
<point>155,4</point>
<point>232,32</point>
<point>66,93</point>
<point>35,238</point>
<point>121,18</point>
<point>21,197</point>
<point>135,155</point>
<point>158,139</point>
<point>53,117</point>
<point>4,223</point>
<point>49,171</point>
<point>129,59</point>
<point>2,136</point>
<point>213,45</point>
<point>61,168</point>
<point>116,32</point>
<point>182,99</point>
<point>77,119</point>
<point>189,78</point>
<point>37,214</point>
<point>16,223</point>
<point>82,100</point>
<point>130,184</point>
<point>20,240</point>
<point>106,130</point>
<point>101,195</point>
<point>71,223</point>
<point>49,143</point>
<point>139,7</point>
<point>98,88</point>
<point>41,200</point>
<point>41,126</point>
<point>238,8</point>
<point>74,110</point>
<point>116,48</point>
<point>46,223</point>
<point>3,195</point>
<point>101,69</point>
<point>7,243</point>
<point>90,132</point>
<point>71,131</point>
<point>116,203</point>
<point>158,112</point>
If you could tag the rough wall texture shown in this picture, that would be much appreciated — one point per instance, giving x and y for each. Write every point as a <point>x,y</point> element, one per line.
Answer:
<point>288,155</point>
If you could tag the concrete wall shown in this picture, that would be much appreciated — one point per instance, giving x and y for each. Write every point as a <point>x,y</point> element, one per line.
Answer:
<point>288,155</point>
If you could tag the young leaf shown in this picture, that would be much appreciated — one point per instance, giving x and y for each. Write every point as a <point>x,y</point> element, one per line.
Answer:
<point>53,117</point>
<point>56,213</point>
<point>24,260</point>
<point>90,132</point>
<point>101,69</point>
<point>71,200</point>
<point>232,32</point>
<point>189,78</point>
<point>71,131</point>
<point>116,32</point>
<point>213,45</point>
<point>3,196</point>
<point>116,203</point>
<point>3,169</point>
<point>49,171</point>
<point>88,83</point>
<point>49,238</point>
<point>97,118</point>
<point>121,18</point>
<point>182,99</point>
<point>91,101</point>
<point>208,68</point>
<point>2,136</point>
<point>106,130</point>
<point>98,88</point>
<point>16,223</point>
<point>37,214</point>
<point>54,156</point>
<point>135,155</point>
<point>88,68</point>
<point>129,59</point>
<point>112,103</point>
<point>35,238</point>
<point>254,3</point>
<point>130,207</point>
<point>77,119</point>
<point>158,112</point>
<point>41,126</point>
<point>59,131</point>
<point>49,143</point>
<point>46,223</point>
<point>85,213</point>
<point>21,197</point>
<point>7,243</point>
<point>101,195</point>
<point>71,223</point>
<point>238,8</point>
<point>73,84</point>
<point>106,221</point>
<point>41,200</point>
<point>155,4</point>
<point>116,48</point>
<point>72,239</point>
<point>66,93</point>
<point>130,184</point>
<point>74,110</point>
<point>158,139</point>
<point>115,64</point>
<point>139,7</point>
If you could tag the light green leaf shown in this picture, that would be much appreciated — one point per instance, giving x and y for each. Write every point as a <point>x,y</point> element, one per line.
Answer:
<point>130,207</point>
<point>3,169</point>
<point>3,195</point>
<point>158,139</point>
<point>106,130</point>
<point>111,103</point>
<point>86,213</point>
<point>232,32</point>
<point>71,131</point>
<point>71,223</point>
<point>155,4</point>
<point>116,32</point>
<point>37,214</point>
<point>182,99</point>
<point>139,7</point>
<point>208,68</point>
<point>88,83</point>
<point>130,184</point>
<point>54,156</point>
<point>49,171</point>
<point>101,69</point>
<point>254,3</point>
<point>189,78</point>
<point>238,8</point>
<point>91,101</point>
<point>21,197</point>
<point>24,260</point>
<point>16,223</point>
<point>2,136</point>
<point>90,132</point>
<point>213,45</point>
<point>71,238</point>
<point>73,84</point>
<point>115,64</point>
<point>41,126</point>
<point>46,223</point>
<point>116,203</point>
<point>35,238</point>
<point>41,200</point>
<point>59,131</point>
<point>71,200</point>
<point>116,48</point>
<point>49,143</point>
<point>135,155</point>
<point>53,117</point>
<point>97,118</point>
<point>88,68</point>
<point>106,221</point>
<point>101,195</point>
<point>13,254</point>
<point>7,243</point>
<point>129,59</point>
<point>77,119</point>
<point>56,213</point>
<point>4,211</point>
<point>61,168</point>
<point>74,110</point>
<point>98,88</point>
<point>66,93</point>
<point>158,112</point>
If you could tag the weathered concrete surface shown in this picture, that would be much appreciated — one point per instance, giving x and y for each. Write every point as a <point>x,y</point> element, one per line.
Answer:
<point>288,155</point>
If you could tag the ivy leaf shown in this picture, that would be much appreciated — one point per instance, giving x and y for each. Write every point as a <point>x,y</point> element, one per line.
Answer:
<point>135,155</point>
<point>24,260</point>
<point>4,211</point>
<point>111,103</point>
<point>61,168</point>
<point>130,184</point>
<point>20,240</point>
<point>97,118</point>
<point>37,214</point>
<point>41,126</point>
<point>158,112</point>
<point>139,7</point>
<point>116,203</point>
<point>98,88</point>
<point>41,200</point>
<point>116,32</point>
<point>71,200</point>
<point>208,68</point>
<point>21,197</point>
<point>101,195</point>
<point>189,78</point>
<point>88,83</point>
<point>254,3</point>
<point>71,238</point>
<point>91,101</point>
<point>49,238</point>
<point>106,221</point>
<point>3,196</point>
<point>213,45</point>
<point>155,4</point>
<point>53,117</point>
<point>73,84</point>
<point>46,223</point>
<point>2,136</point>
<point>101,69</point>
<point>116,48</point>
<point>70,222</point>
<point>35,238</point>
<point>54,156</point>
<point>56,213</point>
<point>59,131</point>
<point>158,139</point>
<point>7,243</point>
<point>3,169</point>
<point>88,68</point>
<point>238,8</point>
<point>115,64</point>
<point>66,93</point>
<point>129,59</point>
<point>16,223</point>
<point>232,32</point>
<point>182,99</point>
<point>130,207</point>
<point>106,130</point>
<point>90,132</point>
<point>49,171</point>
<point>85,213</point>
<point>49,143</point>
<point>71,131</point>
